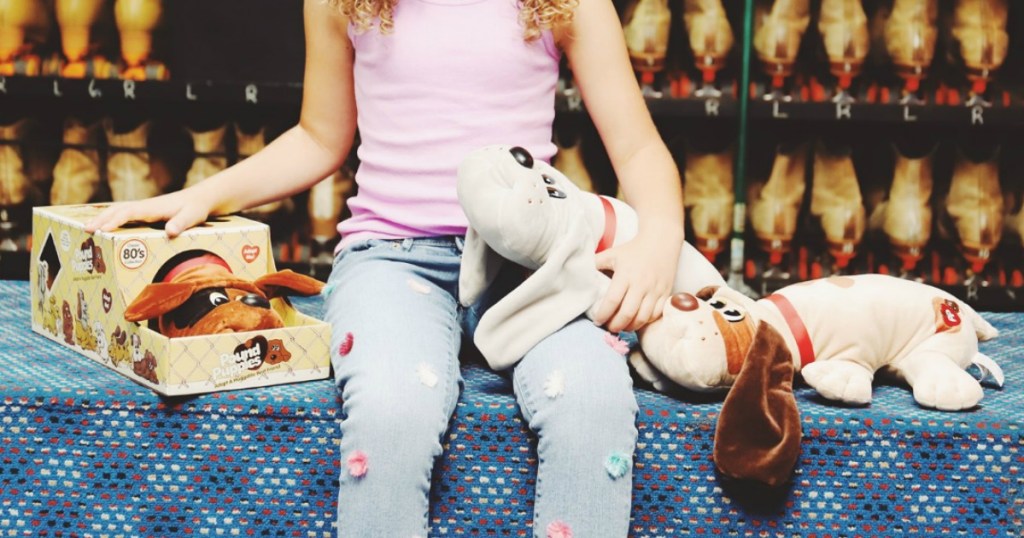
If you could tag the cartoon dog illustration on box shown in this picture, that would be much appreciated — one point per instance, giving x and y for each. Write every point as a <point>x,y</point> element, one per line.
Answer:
<point>120,353</point>
<point>143,361</point>
<point>102,344</point>
<point>67,323</point>
<point>42,274</point>
<point>50,315</point>
<point>83,330</point>
<point>276,352</point>
<point>47,301</point>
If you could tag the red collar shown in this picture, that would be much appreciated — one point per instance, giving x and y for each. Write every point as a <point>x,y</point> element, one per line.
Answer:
<point>608,237</point>
<point>796,326</point>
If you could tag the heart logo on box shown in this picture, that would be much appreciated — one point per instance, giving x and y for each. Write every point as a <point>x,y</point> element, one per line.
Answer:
<point>108,300</point>
<point>250,253</point>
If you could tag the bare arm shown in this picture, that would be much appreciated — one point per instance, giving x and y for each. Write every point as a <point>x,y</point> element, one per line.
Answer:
<point>644,268</point>
<point>295,161</point>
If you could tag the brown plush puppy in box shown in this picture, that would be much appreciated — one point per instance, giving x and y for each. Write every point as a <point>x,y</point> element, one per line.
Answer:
<point>201,296</point>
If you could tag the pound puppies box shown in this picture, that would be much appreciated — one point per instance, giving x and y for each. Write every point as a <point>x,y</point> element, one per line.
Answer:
<point>82,283</point>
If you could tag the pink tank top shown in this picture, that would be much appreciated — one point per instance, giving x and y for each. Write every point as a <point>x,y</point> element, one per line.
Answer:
<point>453,76</point>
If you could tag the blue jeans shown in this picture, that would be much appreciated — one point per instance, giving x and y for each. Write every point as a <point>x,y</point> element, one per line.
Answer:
<point>397,327</point>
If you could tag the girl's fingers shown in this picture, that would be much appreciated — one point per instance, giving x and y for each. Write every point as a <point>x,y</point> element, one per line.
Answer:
<point>627,312</point>
<point>184,219</point>
<point>118,214</point>
<point>103,218</point>
<point>645,314</point>
<point>610,304</point>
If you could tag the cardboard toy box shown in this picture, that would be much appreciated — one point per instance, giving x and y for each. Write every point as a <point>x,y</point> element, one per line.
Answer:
<point>82,284</point>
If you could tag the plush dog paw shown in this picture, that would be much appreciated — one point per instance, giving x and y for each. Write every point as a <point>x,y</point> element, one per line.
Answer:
<point>840,380</point>
<point>947,389</point>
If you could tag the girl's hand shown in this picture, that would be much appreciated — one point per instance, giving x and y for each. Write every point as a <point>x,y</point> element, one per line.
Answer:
<point>643,272</point>
<point>180,209</point>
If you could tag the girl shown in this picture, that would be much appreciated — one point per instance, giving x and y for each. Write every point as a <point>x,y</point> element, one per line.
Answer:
<point>426,82</point>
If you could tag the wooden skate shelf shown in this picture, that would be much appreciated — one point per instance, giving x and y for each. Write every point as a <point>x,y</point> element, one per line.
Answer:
<point>111,91</point>
<point>108,91</point>
<point>687,107</point>
<point>967,116</point>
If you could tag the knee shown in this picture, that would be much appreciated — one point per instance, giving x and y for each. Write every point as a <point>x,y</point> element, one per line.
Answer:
<point>609,403</point>
<point>397,418</point>
<point>578,400</point>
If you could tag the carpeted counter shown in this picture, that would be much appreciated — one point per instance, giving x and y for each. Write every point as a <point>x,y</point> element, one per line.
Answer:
<point>85,452</point>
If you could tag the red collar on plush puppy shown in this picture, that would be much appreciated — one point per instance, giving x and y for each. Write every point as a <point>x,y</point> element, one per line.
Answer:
<point>202,296</point>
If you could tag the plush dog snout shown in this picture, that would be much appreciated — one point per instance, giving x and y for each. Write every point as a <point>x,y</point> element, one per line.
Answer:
<point>685,302</point>
<point>522,156</point>
<point>252,299</point>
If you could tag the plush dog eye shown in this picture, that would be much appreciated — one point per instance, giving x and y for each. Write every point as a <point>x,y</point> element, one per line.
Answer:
<point>217,298</point>
<point>555,193</point>
<point>732,315</point>
<point>522,156</point>
<point>547,179</point>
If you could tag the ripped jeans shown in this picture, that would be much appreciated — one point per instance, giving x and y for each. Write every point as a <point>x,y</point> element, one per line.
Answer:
<point>397,328</point>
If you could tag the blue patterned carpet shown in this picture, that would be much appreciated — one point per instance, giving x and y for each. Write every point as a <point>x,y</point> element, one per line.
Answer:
<point>85,452</point>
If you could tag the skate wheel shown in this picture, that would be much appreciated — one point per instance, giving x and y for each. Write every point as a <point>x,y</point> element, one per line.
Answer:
<point>871,95</point>
<point>708,76</point>
<point>685,87</point>
<point>954,97</point>
<point>817,91</point>
<point>950,277</point>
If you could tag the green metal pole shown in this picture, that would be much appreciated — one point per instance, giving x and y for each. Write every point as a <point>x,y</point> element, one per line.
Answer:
<point>736,257</point>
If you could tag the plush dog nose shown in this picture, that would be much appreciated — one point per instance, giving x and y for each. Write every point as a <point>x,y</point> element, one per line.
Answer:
<point>522,156</point>
<point>685,302</point>
<point>252,299</point>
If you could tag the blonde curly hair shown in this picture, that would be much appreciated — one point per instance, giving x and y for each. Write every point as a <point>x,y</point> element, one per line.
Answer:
<point>535,15</point>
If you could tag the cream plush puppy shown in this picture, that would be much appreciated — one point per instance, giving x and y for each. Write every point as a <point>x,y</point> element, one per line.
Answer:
<point>837,331</point>
<point>526,211</point>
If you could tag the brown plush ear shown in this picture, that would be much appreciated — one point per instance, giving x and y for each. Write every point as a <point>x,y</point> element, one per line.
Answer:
<point>707,292</point>
<point>758,433</point>
<point>288,282</point>
<point>158,299</point>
